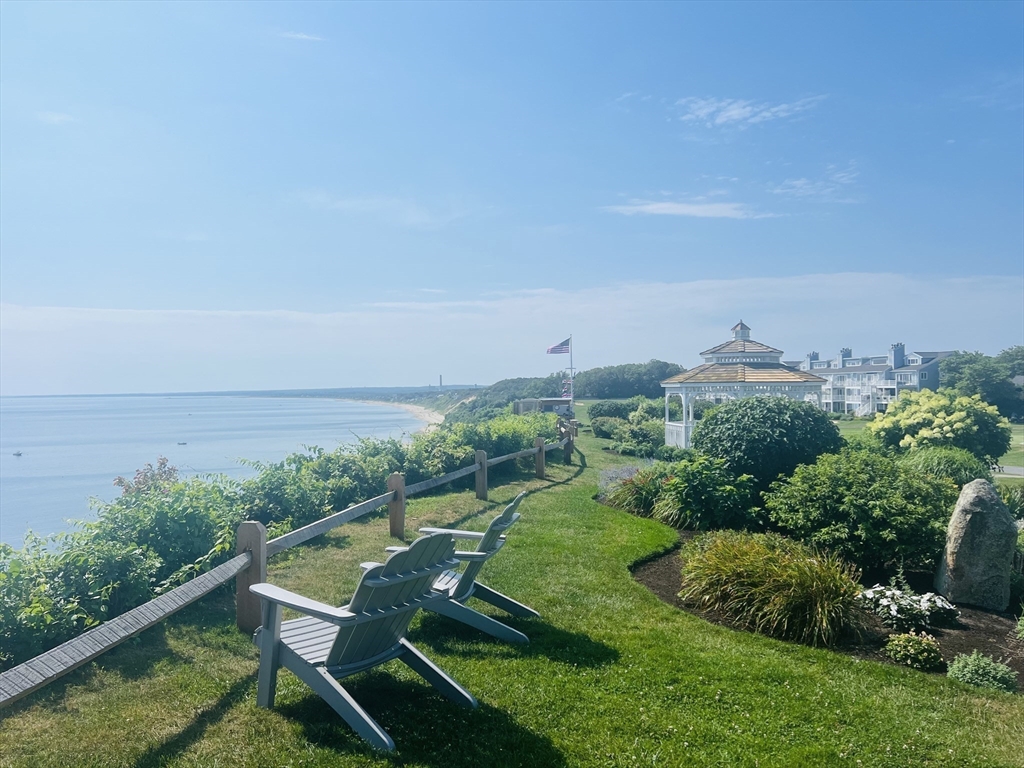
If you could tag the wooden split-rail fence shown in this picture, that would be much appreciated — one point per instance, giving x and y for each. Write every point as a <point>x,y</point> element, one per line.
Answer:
<point>249,567</point>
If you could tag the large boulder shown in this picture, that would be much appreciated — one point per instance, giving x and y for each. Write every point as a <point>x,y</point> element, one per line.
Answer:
<point>980,540</point>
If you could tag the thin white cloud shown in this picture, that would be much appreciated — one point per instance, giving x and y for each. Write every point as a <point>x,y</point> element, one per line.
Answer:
<point>54,118</point>
<point>715,112</point>
<point>834,186</point>
<point>693,209</point>
<point>52,350</point>
<point>302,36</point>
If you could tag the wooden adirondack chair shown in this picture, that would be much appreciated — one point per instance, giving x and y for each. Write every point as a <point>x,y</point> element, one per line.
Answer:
<point>459,587</point>
<point>332,643</point>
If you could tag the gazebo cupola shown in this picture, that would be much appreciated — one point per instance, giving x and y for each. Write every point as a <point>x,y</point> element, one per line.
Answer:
<point>732,370</point>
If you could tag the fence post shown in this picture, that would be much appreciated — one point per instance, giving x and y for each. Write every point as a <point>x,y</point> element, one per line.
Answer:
<point>481,475</point>
<point>396,507</point>
<point>251,537</point>
<point>567,455</point>
<point>539,445</point>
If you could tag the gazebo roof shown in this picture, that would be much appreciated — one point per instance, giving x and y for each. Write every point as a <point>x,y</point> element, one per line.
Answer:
<point>741,345</point>
<point>755,373</point>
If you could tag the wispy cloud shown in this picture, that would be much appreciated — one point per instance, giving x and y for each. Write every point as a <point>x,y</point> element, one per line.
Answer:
<point>302,36</point>
<point>834,186</point>
<point>46,350</point>
<point>391,210</point>
<point>715,112</point>
<point>694,209</point>
<point>996,90</point>
<point>54,118</point>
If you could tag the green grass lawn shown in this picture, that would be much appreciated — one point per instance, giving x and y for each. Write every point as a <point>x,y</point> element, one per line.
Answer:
<point>612,676</point>
<point>1015,456</point>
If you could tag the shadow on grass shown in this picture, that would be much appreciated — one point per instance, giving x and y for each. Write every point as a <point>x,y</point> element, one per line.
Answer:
<point>163,753</point>
<point>427,729</point>
<point>447,636</point>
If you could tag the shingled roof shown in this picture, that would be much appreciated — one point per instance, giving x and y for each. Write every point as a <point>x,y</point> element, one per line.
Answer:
<point>741,345</point>
<point>725,373</point>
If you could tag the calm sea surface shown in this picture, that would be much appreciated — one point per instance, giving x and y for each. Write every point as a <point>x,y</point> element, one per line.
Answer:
<point>72,448</point>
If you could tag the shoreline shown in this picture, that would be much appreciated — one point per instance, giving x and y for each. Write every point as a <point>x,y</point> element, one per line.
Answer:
<point>431,417</point>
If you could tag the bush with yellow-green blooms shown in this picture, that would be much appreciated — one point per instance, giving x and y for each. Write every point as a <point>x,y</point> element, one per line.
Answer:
<point>943,418</point>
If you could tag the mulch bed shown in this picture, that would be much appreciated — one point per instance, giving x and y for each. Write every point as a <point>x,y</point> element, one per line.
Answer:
<point>993,634</point>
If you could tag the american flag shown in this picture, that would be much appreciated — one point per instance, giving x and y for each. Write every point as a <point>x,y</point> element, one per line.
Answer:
<point>560,349</point>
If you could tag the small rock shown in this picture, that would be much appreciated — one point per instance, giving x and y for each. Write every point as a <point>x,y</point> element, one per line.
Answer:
<point>980,540</point>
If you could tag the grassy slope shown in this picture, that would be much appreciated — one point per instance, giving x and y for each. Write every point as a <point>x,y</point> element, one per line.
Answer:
<point>612,675</point>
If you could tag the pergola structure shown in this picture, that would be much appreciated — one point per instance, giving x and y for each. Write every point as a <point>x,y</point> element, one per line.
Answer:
<point>734,370</point>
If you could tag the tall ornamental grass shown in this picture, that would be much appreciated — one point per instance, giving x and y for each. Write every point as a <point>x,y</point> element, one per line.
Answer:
<point>773,585</point>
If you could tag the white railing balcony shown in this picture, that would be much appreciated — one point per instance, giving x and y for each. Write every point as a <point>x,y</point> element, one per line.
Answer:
<point>675,434</point>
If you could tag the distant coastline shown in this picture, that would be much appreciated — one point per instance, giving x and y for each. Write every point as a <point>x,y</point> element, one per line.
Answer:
<point>431,417</point>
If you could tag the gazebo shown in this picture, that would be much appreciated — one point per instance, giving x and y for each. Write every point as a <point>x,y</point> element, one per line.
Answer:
<point>733,370</point>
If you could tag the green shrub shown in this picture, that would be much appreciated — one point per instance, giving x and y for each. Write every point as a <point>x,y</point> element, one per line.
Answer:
<point>640,438</point>
<point>610,409</point>
<point>943,418</point>
<point>1020,625</point>
<point>670,453</point>
<point>955,464</point>
<point>639,493</point>
<point>605,426</point>
<point>983,671</point>
<point>766,436</point>
<point>866,508</point>
<point>916,651</point>
<point>701,494</point>
<point>772,585</point>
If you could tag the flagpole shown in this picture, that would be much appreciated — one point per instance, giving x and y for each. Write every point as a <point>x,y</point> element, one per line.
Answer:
<point>572,376</point>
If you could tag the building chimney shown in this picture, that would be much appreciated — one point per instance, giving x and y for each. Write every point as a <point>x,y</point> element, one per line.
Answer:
<point>897,358</point>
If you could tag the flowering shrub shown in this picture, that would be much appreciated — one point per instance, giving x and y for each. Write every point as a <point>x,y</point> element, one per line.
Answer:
<point>943,418</point>
<point>983,671</point>
<point>916,651</point>
<point>904,611</point>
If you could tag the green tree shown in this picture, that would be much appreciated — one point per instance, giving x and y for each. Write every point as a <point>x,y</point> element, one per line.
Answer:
<point>866,508</point>
<point>945,417</point>
<point>972,373</point>
<point>1013,359</point>
<point>766,436</point>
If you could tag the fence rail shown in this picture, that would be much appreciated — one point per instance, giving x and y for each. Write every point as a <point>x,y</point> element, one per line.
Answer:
<point>248,567</point>
<point>47,667</point>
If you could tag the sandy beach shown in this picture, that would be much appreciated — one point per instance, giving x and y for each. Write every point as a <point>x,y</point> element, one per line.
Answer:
<point>433,418</point>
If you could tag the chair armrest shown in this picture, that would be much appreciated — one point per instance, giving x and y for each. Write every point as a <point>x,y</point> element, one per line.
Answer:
<point>299,603</point>
<point>473,557</point>
<point>368,566</point>
<point>454,533</point>
<point>392,550</point>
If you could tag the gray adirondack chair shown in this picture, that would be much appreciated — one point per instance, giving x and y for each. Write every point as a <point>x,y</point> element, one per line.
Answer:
<point>329,644</point>
<point>460,586</point>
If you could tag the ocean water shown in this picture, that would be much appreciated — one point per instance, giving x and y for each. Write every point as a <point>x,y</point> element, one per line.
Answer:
<point>72,448</point>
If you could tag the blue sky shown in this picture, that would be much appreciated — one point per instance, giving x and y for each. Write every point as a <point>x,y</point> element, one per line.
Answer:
<point>230,196</point>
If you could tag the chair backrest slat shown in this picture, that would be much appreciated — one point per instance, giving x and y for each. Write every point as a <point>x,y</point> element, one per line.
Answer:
<point>490,543</point>
<point>413,571</point>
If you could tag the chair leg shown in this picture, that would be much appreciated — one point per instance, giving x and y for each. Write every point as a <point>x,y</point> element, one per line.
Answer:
<point>341,701</point>
<point>499,600</point>
<point>477,620</point>
<point>268,639</point>
<point>436,676</point>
